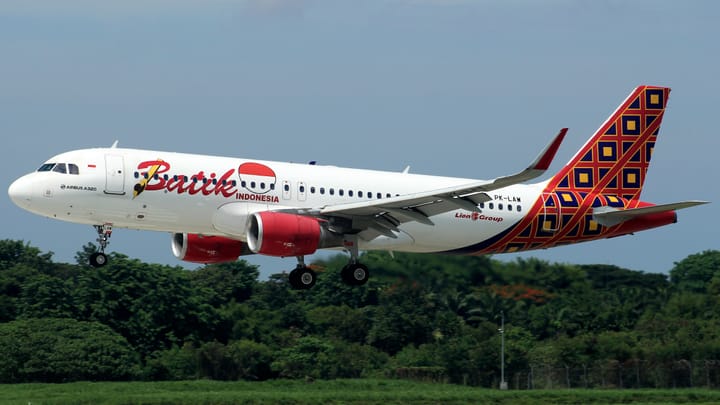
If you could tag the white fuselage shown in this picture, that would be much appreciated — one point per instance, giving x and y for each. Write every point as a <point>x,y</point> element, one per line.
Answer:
<point>184,193</point>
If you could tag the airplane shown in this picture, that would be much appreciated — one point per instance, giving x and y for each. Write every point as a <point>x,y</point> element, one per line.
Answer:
<point>220,208</point>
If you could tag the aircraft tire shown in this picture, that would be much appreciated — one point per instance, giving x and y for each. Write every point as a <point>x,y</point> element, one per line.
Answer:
<point>98,259</point>
<point>355,274</point>
<point>302,278</point>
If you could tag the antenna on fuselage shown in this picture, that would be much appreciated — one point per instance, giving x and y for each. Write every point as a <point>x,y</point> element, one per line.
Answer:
<point>114,145</point>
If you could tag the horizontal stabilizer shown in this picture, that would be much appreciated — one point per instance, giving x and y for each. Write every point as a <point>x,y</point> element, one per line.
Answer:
<point>609,216</point>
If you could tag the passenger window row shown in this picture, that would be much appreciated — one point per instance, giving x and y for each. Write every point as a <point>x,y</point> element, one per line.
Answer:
<point>350,193</point>
<point>501,206</point>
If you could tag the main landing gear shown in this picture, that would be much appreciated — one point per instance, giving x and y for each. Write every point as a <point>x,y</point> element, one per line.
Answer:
<point>99,258</point>
<point>354,273</point>
<point>302,278</point>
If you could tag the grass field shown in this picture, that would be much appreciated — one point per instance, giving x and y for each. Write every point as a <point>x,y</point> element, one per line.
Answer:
<point>365,391</point>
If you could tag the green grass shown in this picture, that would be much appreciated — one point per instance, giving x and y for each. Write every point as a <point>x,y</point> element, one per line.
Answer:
<point>365,391</point>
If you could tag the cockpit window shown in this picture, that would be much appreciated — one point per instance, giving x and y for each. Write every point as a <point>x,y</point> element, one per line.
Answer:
<point>60,168</point>
<point>70,168</point>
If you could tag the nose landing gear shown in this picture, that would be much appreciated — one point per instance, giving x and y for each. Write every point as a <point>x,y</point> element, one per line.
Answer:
<point>99,258</point>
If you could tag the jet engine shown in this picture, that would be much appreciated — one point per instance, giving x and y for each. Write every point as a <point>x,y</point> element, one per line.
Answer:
<point>207,249</point>
<point>282,234</point>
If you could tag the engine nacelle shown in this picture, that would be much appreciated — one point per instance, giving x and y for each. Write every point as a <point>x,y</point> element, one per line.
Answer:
<point>281,234</point>
<point>207,249</point>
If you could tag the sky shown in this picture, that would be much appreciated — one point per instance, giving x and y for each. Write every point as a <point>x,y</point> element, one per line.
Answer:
<point>450,87</point>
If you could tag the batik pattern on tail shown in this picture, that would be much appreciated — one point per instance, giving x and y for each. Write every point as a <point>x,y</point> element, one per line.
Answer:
<point>609,170</point>
<point>615,160</point>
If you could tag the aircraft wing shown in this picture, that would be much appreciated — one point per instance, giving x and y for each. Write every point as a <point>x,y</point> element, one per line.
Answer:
<point>609,216</point>
<point>384,215</point>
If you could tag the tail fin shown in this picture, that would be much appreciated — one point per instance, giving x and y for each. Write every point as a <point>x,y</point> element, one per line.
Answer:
<point>616,158</point>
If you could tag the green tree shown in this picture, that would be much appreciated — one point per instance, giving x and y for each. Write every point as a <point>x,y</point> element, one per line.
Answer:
<point>232,281</point>
<point>340,322</point>
<point>46,296</point>
<point>405,316</point>
<point>308,357</point>
<point>251,359</point>
<point>59,350</point>
<point>176,363</point>
<point>14,252</point>
<point>19,263</point>
<point>153,306</point>
<point>695,272</point>
<point>12,280</point>
<point>215,362</point>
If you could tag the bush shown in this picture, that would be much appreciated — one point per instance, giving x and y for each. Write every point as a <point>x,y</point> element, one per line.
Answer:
<point>173,364</point>
<point>59,350</point>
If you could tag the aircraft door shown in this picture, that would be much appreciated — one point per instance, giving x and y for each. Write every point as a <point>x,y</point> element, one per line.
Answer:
<point>114,175</point>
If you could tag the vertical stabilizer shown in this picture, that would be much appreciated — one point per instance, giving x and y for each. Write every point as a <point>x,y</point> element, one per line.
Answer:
<point>615,160</point>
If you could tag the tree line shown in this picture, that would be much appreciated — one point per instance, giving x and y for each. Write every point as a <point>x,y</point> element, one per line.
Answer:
<point>420,316</point>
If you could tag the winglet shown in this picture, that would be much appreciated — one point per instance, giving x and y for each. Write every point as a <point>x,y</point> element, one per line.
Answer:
<point>548,154</point>
<point>537,167</point>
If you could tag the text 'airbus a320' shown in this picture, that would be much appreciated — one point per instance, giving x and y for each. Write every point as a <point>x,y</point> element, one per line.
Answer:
<point>219,208</point>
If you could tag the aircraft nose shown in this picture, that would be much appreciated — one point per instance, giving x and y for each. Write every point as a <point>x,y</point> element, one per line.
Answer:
<point>20,192</point>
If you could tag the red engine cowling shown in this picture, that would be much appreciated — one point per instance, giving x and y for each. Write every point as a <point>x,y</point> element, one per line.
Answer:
<point>206,249</point>
<point>281,234</point>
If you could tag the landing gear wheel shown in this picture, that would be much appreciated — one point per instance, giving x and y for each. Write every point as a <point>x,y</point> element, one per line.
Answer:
<point>104,231</point>
<point>98,259</point>
<point>355,274</point>
<point>292,278</point>
<point>302,278</point>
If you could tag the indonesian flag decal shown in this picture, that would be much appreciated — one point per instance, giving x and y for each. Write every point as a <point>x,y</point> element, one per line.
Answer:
<point>256,178</point>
